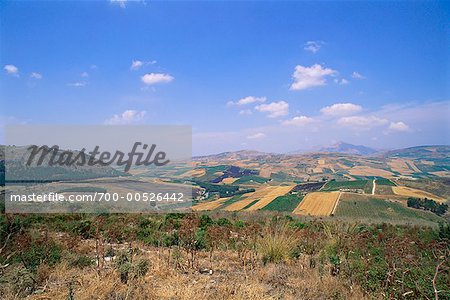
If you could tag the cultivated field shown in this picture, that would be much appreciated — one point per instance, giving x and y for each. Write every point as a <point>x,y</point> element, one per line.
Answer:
<point>317,204</point>
<point>271,195</point>
<point>259,194</point>
<point>369,171</point>
<point>229,180</point>
<point>210,205</point>
<point>410,192</point>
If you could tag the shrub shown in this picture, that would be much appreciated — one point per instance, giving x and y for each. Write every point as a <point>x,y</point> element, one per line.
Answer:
<point>81,261</point>
<point>277,244</point>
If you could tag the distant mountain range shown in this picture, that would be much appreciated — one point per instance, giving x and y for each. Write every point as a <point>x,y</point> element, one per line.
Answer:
<point>347,148</point>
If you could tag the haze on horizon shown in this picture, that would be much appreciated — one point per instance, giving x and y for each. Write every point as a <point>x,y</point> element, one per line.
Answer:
<point>268,76</point>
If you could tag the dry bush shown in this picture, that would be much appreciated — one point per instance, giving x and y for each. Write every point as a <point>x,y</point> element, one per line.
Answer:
<point>277,243</point>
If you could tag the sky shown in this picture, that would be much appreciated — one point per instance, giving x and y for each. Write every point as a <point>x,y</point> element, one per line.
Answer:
<point>263,75</point>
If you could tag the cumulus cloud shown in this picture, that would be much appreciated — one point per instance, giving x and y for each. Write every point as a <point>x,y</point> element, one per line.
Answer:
<point>11,69</point>
<point>309,77</point>
<point>247,100</point>
<point>78,84</point>
<point>154,78</point>
<point>36,75</point>
<point>357,75</point>
<point>84,74</point>
<point>298,121</point>
<point>362,122</point>
<point>398,126</point>
<point>256,136</point>
<point>341,109</point>
<point>274,109</point>
<point>127,117</point>
<point>313,46</point>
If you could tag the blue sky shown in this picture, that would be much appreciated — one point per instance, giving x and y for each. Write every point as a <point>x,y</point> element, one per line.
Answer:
<point>270,76</point>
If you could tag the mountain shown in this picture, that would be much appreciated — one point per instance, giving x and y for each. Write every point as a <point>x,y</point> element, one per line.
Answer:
<point>346,148</point>
<point>420,152</point>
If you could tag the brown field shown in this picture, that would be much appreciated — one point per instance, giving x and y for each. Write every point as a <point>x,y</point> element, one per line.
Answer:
<point>441,173</point>
<point>413,166</point>
<point>210,205</point>
<point>369,171</point>
<point>317,204</point>
<point>410,192</point>
<point>194,173</point>
<point>399,165</point>
<point>229,180</point>
<point>271,195</point>
<point>250,197</point>
<point>321,161</point>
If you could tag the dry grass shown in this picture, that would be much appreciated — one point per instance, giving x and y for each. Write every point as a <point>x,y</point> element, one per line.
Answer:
<point>410,192</point>
<point>369,171</point>
<point>229,280</point>
<point>272,193</point>
<point>317,204</point>
<point>194,173</point>
<point>210,205</point>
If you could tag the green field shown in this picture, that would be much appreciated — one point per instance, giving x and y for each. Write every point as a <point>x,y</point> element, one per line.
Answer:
<point>250,204</point>
<point>365,185</point>
<point>285,203</point>
<point>229,201</point>
<point>384,181</point>
<point>377,211</point>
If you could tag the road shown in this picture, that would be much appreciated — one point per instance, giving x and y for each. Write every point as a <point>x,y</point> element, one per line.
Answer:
<point>373,187</point>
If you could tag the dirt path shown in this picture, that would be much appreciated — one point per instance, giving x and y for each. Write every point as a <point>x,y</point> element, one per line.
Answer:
<point>373,187</point>
<point>336,204</point>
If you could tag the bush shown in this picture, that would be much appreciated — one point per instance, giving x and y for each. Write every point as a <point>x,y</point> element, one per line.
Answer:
<point>278,244</point>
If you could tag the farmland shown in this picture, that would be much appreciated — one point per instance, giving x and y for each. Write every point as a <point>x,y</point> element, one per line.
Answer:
<point>410,192</point>
<point>364,185</point>
<point>286,203</point>
<point>271,194</point>
<point>373,210</point>
<point>317,204</point>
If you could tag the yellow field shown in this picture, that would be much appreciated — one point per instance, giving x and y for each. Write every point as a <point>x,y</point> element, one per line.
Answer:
<point>210,205</point>
<point>250,197</point>
<point>271,195</point>
<point>229,180</point>
<point>317,204</point>
<point>410,192</point>
<point>369,171</point>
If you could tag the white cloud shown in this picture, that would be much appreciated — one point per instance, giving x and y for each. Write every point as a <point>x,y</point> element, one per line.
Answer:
<point>342,81</point>
<point>274,109</point>
<point>362,122</point>
<point>127,117</point>
<point>256,136</point>
<point>154,78</point>
<point>245,112</point>
<point>121,3</point>
<point>11,69</point>
<point>341,109</point>
<point>298,121</point>
<point>136,64</point>
<point>398,126</point>
<point>93,67</point>
<point>357,75</point>
<point>308,77</point>
<point>77,84</point>
<point>84,74</point>
<point>36,75</point>
<point>247,100</point>
<point>313,46</point>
